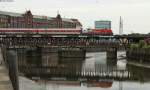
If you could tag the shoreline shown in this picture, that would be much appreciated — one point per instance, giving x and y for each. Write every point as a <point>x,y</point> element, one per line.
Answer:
<point>138,64</point>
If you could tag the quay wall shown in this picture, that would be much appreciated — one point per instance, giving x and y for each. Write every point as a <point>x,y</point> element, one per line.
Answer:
<point>141,55</point>
<point>10,60</point>
<point>5,82</point>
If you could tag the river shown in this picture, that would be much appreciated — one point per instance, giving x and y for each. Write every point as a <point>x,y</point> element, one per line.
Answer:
<point>137,78</point>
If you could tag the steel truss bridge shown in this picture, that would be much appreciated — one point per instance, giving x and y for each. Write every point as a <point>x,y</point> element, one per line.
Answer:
<point>32,40</point>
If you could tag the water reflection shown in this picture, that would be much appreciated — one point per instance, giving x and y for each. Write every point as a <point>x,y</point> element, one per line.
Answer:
<point>92,73</point>
<point>140,74</point>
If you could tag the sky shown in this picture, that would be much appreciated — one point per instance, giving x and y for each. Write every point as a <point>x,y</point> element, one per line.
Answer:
<point>135,13</point>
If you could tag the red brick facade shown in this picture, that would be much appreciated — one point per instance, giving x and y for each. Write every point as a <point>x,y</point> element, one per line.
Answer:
<point>27,20</point>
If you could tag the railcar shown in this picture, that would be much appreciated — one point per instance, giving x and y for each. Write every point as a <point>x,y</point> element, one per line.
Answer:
<point>39,31</point>
<point>103,32</point>
<point>54,31</point>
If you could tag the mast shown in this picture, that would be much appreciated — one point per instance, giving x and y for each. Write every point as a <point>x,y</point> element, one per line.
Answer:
<point>121,26</point>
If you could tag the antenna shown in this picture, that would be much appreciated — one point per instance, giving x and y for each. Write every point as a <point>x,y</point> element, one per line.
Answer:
<point>57,11</point>
<point>121,26</point>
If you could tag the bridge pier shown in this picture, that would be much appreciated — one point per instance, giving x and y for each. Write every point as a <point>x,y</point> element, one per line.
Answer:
<point>111,53</point>
<point>71,52</point>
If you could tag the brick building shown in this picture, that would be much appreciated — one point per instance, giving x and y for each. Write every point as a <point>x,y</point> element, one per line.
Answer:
<point>28,20</point>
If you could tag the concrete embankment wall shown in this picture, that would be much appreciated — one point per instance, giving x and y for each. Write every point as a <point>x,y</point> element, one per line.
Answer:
<point>138,55</point>
<point>5,82</point>
<point>10,60</point>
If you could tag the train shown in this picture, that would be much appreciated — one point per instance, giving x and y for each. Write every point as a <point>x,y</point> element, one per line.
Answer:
<point>55,31</point>
<point>103,32</point>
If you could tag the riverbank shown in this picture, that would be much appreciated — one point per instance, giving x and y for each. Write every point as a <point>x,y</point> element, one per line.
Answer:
<point>139,54</point>
<point>5,83</point>
<point>27,84</point>
<point>145,65</point>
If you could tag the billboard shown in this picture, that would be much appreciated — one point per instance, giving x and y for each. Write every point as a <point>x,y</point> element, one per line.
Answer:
<point>103,25</point>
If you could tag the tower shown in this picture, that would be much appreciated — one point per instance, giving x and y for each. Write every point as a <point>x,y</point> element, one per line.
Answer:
<point>121,26</point>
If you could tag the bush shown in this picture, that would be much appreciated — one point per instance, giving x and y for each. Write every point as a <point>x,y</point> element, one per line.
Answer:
<point>142,44</point>
<point>133,46</point>
<point>146,46</point>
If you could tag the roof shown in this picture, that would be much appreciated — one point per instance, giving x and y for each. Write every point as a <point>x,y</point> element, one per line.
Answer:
<point>103,21</point>
<point>10,13</point>
<point>19,15</point>
<point>41,17</point>
<point>67,20</point>
<point>76,21</point>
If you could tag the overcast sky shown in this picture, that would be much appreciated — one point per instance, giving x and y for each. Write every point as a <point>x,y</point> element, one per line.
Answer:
<point>135,13</point>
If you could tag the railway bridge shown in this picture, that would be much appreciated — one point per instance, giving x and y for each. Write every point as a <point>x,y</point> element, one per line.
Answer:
<point>23,41</point>
<point>82,41</point>
<point>38,40</point>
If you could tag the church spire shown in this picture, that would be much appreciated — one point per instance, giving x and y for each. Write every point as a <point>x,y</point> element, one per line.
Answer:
<point>58,15</point>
